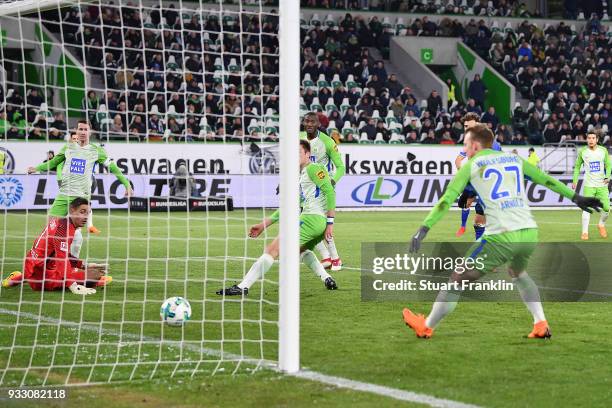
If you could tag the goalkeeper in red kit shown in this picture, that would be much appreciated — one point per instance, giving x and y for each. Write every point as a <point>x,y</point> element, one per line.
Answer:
<point>53,261</point>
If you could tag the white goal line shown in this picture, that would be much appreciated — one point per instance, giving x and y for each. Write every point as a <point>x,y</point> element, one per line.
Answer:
<point>339,382</point>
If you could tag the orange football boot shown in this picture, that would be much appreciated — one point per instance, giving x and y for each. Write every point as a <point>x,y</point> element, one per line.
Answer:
<point>417,323</point>
<point>540,331</point>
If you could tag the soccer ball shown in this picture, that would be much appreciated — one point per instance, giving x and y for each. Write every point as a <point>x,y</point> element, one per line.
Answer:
<point>175,311</point>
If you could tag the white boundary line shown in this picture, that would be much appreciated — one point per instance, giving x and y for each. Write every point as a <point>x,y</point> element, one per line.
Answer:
<point>338,382</point>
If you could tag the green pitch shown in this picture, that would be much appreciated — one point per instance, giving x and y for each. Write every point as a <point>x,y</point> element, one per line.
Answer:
<point>479,354</point>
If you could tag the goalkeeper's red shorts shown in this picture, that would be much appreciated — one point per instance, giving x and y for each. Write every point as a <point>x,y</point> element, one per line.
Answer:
<point>43,276</point>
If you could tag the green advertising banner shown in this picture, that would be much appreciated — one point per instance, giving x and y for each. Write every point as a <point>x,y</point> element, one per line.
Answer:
<point>500,92</point>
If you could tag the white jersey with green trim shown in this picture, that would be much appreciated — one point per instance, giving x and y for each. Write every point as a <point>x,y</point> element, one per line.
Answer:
<point>313,202</point>
<point>318,151</point>
<point>498,178</point>
<point>78,168</point>
<point>594,166</point>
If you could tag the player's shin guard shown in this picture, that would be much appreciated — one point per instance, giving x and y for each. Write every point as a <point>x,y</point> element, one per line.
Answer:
<point>445,303</point>
<point>586,218</point>
<point>310,259</point>
<point>530,295</point>
<point>331,246</point>
<point>323,251</point>
<point>259,268</point>
<point>479,229</point>
<point>465,214</point>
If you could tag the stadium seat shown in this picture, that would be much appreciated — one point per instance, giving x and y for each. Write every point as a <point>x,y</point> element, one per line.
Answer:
<point>307,82</point>
<point>315,20</point>
<point>331,127</point>
<point>330,22</point>
<point>379,139</point>
<point>344,106</point>
<point>335,83</point>
<point>364,138</point>
<point>330,107</point>
<point>347,130</point>
<point>322,82</point>
<point>316,105</point>
<point>351,83</point>
<point>396,138</point>
<point>390,119</point>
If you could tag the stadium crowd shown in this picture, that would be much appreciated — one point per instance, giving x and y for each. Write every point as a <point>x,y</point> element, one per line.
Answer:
<point>181,76</point>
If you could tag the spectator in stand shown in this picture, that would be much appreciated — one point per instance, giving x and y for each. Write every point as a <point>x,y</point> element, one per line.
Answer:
<point>394,86</point>
<point>525,51</point>
<point>369,129</point>
<point>518,140</point>
<point>550,134</point>
<point>477,91</point>
<point>412,137</point>
<point>58,128</point>
<point>380,71</point>
<point>434,103</point>
<point>380,128</point>
<point>430,138</point>
<point>447,138</point>
<point>362,72</point>
<point>472,106</point>
<point>412,106</point>
<point>491,118</point>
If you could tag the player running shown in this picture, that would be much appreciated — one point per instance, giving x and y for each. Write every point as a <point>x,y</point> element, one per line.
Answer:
<point>511,235</point>
<point>75,163</point>
<point>316,222</point>
<point>53,264</point>
<point>597,169</point>
<point>469,195</point>
<point>324,151</point>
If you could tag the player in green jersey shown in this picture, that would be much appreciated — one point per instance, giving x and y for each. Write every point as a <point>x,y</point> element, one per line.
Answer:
<point>324,151</point>
<point>511,234</point>
<point>75,162</point>
<point>596,161</point>
<point>318,201</point>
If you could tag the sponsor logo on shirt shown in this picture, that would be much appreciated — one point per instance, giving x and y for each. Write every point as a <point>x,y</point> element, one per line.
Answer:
<point>595,167</point>
<point>77,166</point>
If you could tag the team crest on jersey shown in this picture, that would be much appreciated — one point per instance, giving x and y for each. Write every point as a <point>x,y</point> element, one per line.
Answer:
<point>77,166</point>
<point>64,246</point>
<point>321,175</point>
<point>11,191</point>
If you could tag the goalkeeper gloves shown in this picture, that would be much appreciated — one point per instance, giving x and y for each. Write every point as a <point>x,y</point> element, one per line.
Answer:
<point>587,204</point>
<point>81,290</point>
<point>420,235</point>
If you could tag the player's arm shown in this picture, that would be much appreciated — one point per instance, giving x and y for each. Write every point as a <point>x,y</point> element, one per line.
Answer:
<point>454,189</point>
<point>107,162</point>
<point>331,148</point>
<point>539,177</point>
<point>577,167</point>
<point>50,164</point>
<point>607,165</point>
<point>257,229</point>
<point>321,179</point>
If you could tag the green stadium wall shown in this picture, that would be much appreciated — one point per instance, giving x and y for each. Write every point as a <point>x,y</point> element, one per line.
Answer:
<point>501,93</point>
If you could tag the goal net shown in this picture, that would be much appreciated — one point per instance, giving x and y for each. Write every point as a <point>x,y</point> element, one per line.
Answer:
<point>186,99</point>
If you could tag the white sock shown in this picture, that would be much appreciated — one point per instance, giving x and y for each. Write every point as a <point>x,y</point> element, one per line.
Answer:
<point>310,259</point>
<point>333,252</point>
<point>90,219</point>
<point>586,218</point>
<point>603,217</point>
<point>322,248</point>
<point>445,303</point>
<point>261,266</point>
<point>530,295</point>
<point>77,243</point>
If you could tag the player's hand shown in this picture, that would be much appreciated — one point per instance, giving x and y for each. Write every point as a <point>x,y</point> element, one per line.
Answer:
<point>31,170</point>
<point>329,232</point>
<point>607,181</point>
<point>94,273</point>
<point>81,290</point>
<point>129,192</point>
<point>256,230</point>
<point>574,186</point>
<point>587,204</point>
<point>420,235</point>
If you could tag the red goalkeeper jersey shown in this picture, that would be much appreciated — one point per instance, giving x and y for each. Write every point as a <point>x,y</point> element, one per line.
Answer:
<point>49,262</point>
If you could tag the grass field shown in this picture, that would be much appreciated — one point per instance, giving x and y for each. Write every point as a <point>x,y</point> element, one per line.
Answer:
<point>479,354</point>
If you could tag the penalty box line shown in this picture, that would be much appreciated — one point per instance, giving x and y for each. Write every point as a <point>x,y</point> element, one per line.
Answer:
<point>339,382</point>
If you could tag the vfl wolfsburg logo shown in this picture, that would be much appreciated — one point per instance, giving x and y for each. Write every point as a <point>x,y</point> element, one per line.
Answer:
<point>11,191</point>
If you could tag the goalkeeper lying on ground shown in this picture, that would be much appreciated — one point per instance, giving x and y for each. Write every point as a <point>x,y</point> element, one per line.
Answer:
<point>53,261</point>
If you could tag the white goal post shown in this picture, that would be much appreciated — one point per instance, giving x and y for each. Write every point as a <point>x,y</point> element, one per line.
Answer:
<point>52,338</point>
